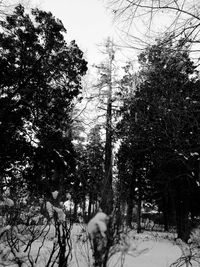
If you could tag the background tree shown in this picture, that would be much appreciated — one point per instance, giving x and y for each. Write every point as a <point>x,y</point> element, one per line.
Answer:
<point>95,149</point>
<point>161,123</point>
<point>105,86</point>
<point>90,170</point>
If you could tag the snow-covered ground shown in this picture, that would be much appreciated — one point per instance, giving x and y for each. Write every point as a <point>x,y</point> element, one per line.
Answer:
<point>148,249</point>
<point>151,251</point>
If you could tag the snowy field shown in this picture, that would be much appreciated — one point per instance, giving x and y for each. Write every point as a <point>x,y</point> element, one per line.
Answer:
<point>149,249</point>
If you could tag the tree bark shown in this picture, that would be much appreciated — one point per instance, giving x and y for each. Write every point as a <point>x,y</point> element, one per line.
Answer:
<point>139,228</point>
<point>165,214</point>
<point>130,203</point>
<point>107,192</point>
<point>89,207</point>
<point>182,221</point>
<point>182,212</point>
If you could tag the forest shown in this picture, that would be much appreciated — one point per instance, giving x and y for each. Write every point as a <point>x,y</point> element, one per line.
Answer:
<point>134,169</point>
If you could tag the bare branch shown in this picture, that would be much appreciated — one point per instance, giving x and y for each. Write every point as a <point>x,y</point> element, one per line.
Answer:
<point>144,17</point>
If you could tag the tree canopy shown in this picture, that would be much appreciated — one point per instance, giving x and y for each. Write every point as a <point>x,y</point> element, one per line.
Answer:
<point>40,77</point>
<point>162,128</point>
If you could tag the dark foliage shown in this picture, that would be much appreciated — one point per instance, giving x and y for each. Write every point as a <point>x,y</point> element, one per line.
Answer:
<point>162,124</point>
<point>40,77</point>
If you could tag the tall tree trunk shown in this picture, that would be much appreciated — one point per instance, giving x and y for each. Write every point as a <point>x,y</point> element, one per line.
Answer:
<point>107,193</point>
<point>165,214</point>
<point>130,203</point>
<point>75,210</point>
<point>182,212</point>
<point>166,221</point>
<point>84,208</point>
<point>139,228</point>
<point>129,217</point>
<point>89,207</point>
<point>107,198</point>
<point>182,220</point>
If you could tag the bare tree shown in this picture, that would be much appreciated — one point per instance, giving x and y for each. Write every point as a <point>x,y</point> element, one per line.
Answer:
<point>149,19</point>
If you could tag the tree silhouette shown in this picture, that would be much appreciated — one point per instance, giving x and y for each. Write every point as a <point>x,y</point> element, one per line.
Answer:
<point>40,77</point>
<point>161,124</point>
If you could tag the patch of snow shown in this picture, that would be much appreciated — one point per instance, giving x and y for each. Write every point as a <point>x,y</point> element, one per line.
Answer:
<point>98,224</point>
<point>55,194</point>
<point>4,229</point>
<point>49,208</point>
<point>4,253</point>
<point>148,249</point>
<point>68,196</point>
<point>69,205</point>
<point>60,213</point>
<point>194,154</point>
<point>181,154</point>
<point>7,202</point>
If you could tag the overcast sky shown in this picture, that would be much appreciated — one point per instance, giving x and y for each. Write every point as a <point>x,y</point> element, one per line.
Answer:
<point>86,21</point>
<point>89,23</point>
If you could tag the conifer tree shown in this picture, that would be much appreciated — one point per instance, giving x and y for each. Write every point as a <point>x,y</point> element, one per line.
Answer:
<point>40,77</point>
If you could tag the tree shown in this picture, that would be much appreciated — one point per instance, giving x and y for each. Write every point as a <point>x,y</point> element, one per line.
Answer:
<point>105,85</point>
<point>134,162</point>
<point>180,17</point>
<point>41,75</point>
<point>107,194</point>
<point>161,123</point>
<point>133,155</point>
<point>95,151</point>
<point>90,169</point>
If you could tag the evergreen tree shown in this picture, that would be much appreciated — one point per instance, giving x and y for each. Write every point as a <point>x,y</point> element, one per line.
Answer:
<point>40,77</point>
<point>90,169</point>
<point>106,89</point>
<point>161,123</point>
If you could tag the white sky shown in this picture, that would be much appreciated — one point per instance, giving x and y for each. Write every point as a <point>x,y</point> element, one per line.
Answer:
<point>86,21</point>
<point>89,23</point>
